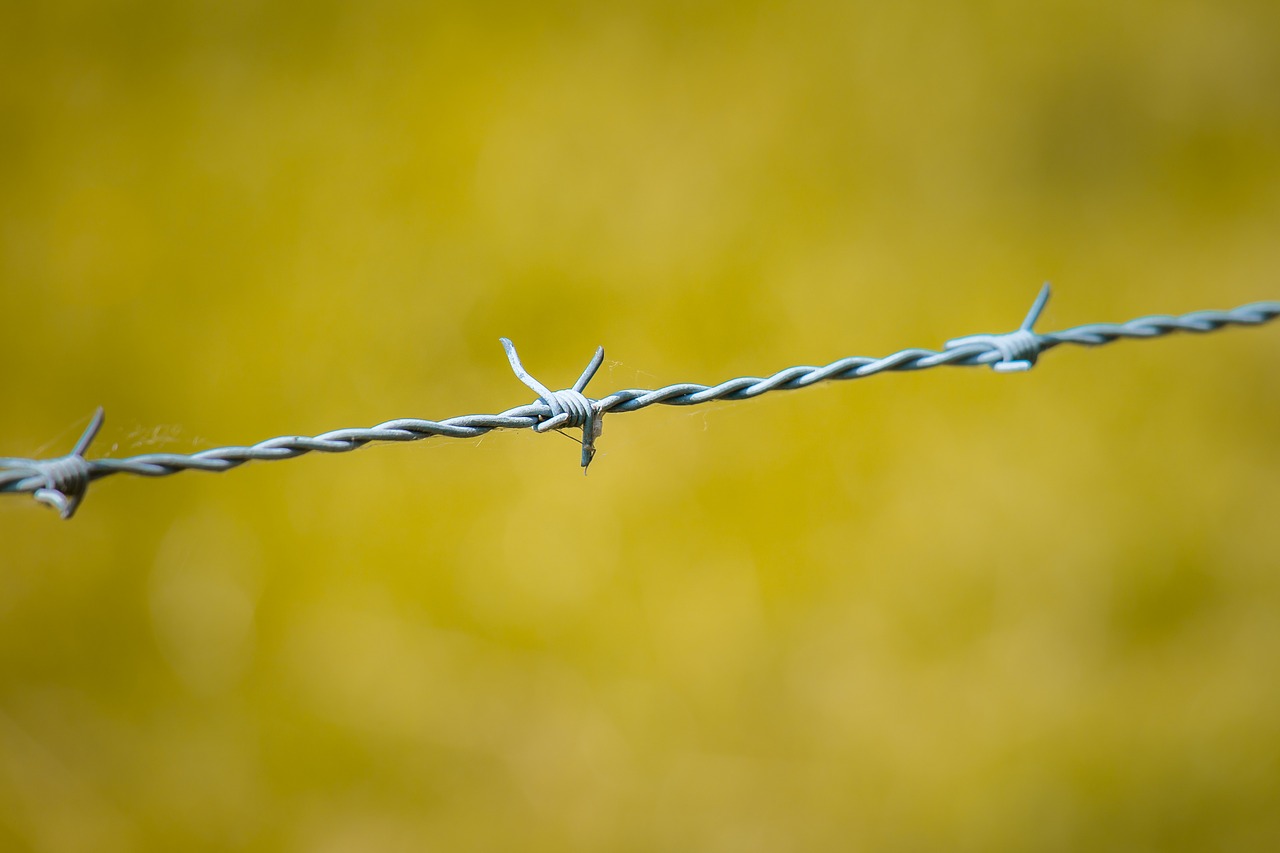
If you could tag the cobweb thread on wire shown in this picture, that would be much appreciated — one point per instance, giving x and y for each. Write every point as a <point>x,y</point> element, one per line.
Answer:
<point>62,482</point>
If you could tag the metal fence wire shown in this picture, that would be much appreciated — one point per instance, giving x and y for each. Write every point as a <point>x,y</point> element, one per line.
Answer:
<point>63,481</point>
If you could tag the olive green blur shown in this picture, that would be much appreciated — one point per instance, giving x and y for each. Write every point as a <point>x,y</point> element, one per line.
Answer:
<point>952,610</point>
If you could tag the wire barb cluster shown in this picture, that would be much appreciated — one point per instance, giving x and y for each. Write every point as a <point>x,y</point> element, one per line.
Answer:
<point>1019,349</point>
<point>569,407</point>
<point>62,482</point>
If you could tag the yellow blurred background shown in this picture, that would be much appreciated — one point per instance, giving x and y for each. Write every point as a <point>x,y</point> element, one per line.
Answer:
<point>950,610</point>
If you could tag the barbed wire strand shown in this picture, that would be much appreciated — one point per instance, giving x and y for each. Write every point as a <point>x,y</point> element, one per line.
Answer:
<point>63,481</point>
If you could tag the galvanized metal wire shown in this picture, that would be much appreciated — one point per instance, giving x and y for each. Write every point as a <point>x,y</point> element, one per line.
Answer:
<point>63,481</point>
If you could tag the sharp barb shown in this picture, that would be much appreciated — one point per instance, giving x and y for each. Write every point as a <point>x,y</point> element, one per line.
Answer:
<point>90,433</point>
<point>596,361</point>
<point>522,374</point>
<point>1036,307</point>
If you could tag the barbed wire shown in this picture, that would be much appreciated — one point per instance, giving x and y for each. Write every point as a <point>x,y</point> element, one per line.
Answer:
<point>63,481</point>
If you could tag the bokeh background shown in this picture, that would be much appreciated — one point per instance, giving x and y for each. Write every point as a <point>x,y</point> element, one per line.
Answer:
<point>949,610</point>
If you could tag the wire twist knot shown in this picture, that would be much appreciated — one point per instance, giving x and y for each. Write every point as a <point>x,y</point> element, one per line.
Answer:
<point>1019,349</point>
<point>569,407</point>
<point>66,478</point>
